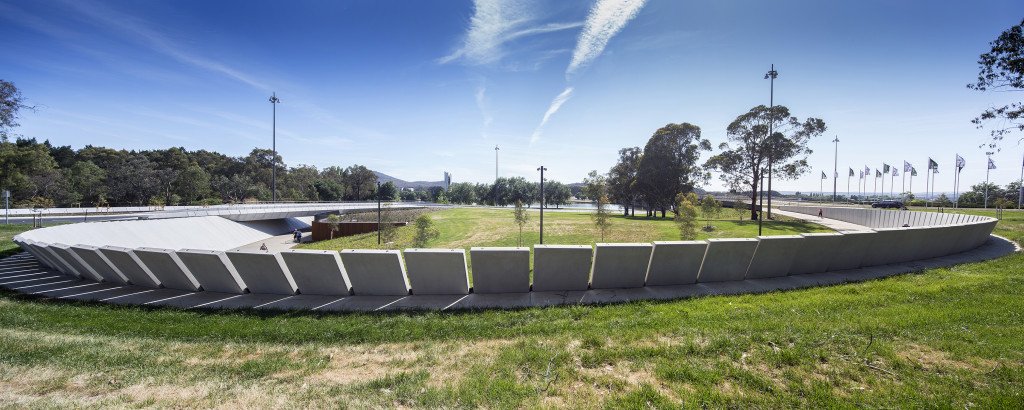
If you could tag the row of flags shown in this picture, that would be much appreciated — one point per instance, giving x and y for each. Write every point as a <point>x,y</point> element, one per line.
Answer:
<point>932,165</point>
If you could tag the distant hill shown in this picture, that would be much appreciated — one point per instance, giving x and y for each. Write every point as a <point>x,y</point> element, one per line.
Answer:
<point>382,177</point>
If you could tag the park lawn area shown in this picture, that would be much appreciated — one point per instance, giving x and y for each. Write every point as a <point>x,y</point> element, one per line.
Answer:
<point>467,227</point>
<point>948,338</point>
<point>7,233</point>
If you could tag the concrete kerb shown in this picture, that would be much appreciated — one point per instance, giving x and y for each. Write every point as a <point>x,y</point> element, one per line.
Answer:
<point>726,259</point>
<point>774,256</point>
<point>165,265</point>
<point>91,255</point>
<point>437,271</point>
<point>675,262</point>
<point>375,272</point>
<point>561,267</point>
<point>130,266</point>
<point>620,265</point>
<point>263,272</point>
<point>213,270</point>
<point>500,270</point>
<point>317,272</point>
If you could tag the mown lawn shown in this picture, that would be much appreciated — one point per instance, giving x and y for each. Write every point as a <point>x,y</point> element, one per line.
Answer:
<point>946,338</point>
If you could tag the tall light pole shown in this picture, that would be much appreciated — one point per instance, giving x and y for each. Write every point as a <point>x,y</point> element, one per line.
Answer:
<point>771,130</point>
<point>542,169</point>
<point>378,213</point>
<point>495,174</point>
<point>273,168</point>
<point>835,170</point>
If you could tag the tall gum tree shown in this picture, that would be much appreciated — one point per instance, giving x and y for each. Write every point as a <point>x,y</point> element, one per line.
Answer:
<point>669,165</point>
<point>744,158</point>
<point>1002,69</point>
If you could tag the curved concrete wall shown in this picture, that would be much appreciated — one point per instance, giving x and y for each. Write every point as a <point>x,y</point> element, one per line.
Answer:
<point>556,268</point>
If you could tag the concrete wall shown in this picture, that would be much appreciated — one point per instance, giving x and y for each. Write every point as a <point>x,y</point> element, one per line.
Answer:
<point>816,252</point>
<point>774,256</point>
<point>165,265</point>
<point>852,249</point>
<point>500,270</point>
<point>375,272</point>
<point>675,262</point>
<point>561,267</point>
<point>91,256</point>
<point>437,271</point>
<point>125,261</point>
<point>620,265</point>
<point>213,270</point>
<point>76,263</point>
<point>317,272</point>
<point>727,259</point>
<point>263,272</point>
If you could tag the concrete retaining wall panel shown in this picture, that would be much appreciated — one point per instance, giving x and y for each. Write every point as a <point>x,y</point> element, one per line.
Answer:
<point>561,267</point>
<point>317,272</point>
<point>76,263</point>
<point>852,249</point>
<point>129,265</point>
<point>886,247</point>
<point>263,272</point>
<point>165,265</point>
<point>774,256</point>
<point>675,262</point>
<point>816,252</point>
<point>375,272</point>
<point>727,259</point>
<point>500,270</point>
<point>41,255</point>
<point>63,266</point>
<point>918,242</point>
<point>213,270</point>
<point>942,239</point>
<point>437,271</point>
<point>99,263</point>
<point>620,265</point>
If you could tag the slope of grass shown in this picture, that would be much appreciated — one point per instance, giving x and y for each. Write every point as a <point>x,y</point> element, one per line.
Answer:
<point>938,338</point>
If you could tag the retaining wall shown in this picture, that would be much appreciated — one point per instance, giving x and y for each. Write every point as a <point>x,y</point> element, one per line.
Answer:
<point>556,268</point>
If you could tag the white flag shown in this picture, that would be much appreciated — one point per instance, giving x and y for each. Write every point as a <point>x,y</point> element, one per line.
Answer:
<point>906,166</point>
<point>991,165</point>
<point>960,162</point>
<point>895,172</point>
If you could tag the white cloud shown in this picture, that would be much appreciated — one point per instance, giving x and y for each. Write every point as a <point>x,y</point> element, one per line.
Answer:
<point>555,105</point>
<point>606,19</point>
<point>494,23</point>
<point>481,103</point>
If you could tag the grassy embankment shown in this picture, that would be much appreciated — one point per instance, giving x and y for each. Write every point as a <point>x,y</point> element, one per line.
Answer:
<point>938,338</point>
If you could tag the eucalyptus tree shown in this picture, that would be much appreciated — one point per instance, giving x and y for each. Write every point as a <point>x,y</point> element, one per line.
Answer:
<point>622,186</point>
<point>669,165</point>
<point>1002,69</point>
<point>745,157</point>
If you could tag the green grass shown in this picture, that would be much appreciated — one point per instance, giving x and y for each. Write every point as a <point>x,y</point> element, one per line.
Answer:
<point>7,232</point>
<point>946,338</point>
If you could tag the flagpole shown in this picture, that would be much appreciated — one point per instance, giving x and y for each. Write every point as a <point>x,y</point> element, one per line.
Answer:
<point>927,191</point>
<point>875,194</point>
<point>848,178</point>
<point>1020,189</point>
<point>883,179</point>
<point>891,179</point>
<point>904,187</point>
<point>988,167</point>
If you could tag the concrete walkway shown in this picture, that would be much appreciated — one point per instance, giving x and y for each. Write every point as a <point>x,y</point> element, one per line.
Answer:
<point>277,243</point>
<point>837,225</point>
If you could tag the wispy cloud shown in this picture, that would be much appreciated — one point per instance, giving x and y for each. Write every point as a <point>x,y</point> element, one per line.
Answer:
<point>130,28</point>
<point>606,19</point>
<point>494,23</point>
<point>481,104</point>
<point>555,105</point>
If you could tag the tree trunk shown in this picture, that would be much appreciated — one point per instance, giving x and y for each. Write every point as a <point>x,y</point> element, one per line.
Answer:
<point>753,201</point>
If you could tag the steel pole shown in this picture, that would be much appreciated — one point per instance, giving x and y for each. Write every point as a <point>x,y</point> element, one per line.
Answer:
<point>835,170</point>
<point>378,213</point>
<point>771,130</point>
<point>542,169</point>
<point>987,169</point>
<point>1020,189</point>
<point>495,174</point>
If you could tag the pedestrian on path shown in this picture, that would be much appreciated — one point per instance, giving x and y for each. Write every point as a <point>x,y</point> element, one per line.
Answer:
<point>263,247</point>
<point>819,213</point>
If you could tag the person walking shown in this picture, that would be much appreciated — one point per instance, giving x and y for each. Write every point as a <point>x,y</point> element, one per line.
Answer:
<point>263,247</point>
<point>820,213</point>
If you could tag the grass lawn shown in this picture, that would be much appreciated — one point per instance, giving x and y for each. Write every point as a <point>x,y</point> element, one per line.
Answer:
<point>937,338</point>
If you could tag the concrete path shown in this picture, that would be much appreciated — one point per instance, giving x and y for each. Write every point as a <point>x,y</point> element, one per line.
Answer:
<point>22,273</point>
<point>277,243</point>
<point>830,223</point>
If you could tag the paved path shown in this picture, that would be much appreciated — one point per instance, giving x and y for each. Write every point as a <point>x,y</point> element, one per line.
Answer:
<point>831,223</point>
<point>277,243</point>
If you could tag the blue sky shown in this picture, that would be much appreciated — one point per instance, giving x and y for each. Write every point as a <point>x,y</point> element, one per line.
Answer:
<point>416,88</point>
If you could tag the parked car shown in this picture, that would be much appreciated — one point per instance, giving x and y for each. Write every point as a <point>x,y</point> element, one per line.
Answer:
<point>888,204</point>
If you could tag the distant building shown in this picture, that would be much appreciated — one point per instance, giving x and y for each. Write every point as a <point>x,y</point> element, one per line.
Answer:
<point>447,181</point>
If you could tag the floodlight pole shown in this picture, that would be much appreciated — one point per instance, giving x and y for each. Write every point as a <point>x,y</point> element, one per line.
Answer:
<point>273,168</point>
<point>495,174</point>
<point>378,213</point>
<point>771,130</point>
<point>542,169</point>
<point>835,170</point>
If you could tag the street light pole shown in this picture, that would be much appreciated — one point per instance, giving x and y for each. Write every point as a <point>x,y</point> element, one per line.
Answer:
<point>835,170</point>
<point>273,168</point>
<point>495,174</point>
<point>378,213</point>
<point>542,169</point>
<point>771,130</point>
